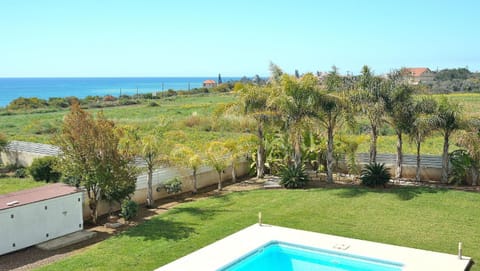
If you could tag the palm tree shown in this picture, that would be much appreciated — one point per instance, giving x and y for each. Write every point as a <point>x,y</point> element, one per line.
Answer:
<point>421,127</point>
<point>399,112</point>
<point>150,151</point>
<point>295,102</point>
<point>186,157</point>
<point>447,120</point>
<point>238,148</point>
<point>253,102</point>
<point>330,107</point>
<point>370,98</point>
<point>216,158</point>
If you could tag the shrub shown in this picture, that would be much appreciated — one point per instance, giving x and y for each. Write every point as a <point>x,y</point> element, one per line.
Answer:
<point>153,104</point>
<point>109,98</point>
<point>129,209</point>
<point>293,176</point>
<point>375,174</point>
<point>460,164</point>
<point>21,172</point>
<point>42,169</point>
<point>173,186</point>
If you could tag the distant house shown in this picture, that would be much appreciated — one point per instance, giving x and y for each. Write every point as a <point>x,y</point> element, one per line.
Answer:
<point>209,83</point>
<point>415,76</point>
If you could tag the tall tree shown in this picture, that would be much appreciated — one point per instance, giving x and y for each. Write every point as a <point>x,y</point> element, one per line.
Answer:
<point>421,127</point>
<point>295,102</point>
<point>220,79</point>
<point>330,107</point>
<point>370,100</point>
<point>184,156</point>
<point>91,157</point>
<point>447,120</point>
<point>399,112</point>
<point>253,102</point>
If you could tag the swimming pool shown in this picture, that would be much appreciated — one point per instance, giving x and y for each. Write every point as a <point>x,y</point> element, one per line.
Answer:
<point>281,256</point>
<point>233,251</point>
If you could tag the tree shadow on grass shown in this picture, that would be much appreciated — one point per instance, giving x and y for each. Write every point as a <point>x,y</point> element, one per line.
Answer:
<point>159,228</point>
<point>402,193</point>
<point>201,213</point>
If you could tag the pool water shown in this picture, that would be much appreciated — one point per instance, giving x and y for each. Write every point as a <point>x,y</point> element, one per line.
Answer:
<point>281,256</point>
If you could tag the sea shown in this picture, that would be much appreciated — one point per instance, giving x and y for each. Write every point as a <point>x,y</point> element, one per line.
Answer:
<point>44,88</point>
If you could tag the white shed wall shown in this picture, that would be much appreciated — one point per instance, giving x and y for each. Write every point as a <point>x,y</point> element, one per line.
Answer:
<point>37,222</point>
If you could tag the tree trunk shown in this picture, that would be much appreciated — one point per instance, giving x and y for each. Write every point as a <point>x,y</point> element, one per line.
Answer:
<point>399,160</point>
<point>93,198</point>
<point>297,151</point>
<point>260,153</point>
<point>330,155</point>
<point>92,204</point>
<point>373,145</point>
<point>149,187</point>
<point>234,174</point>
<point>417,172</point>
<point>445,158</point>
<point>195,190</point>
<point>220,181</point>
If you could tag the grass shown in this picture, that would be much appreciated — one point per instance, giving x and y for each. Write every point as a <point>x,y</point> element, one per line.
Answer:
<point>40,127</point>
<point>414,217</point>
<point>11,184</point>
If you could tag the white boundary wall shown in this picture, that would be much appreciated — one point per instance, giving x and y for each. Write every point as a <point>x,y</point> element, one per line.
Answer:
<point>206,176</point>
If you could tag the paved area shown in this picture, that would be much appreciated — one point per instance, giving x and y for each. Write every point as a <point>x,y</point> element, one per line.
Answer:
<point>67,240</point>
<point>233,247</point>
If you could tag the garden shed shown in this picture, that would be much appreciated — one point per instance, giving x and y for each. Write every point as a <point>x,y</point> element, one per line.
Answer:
<point>33,216</point>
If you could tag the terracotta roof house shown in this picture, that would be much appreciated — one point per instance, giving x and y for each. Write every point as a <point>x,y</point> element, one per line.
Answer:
<point>209,83</point>
<point>418,75</point>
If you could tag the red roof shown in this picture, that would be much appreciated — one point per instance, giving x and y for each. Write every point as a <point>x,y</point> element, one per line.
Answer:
<point>415,72</point>
<point>209,81</point>
<point>45,192</point>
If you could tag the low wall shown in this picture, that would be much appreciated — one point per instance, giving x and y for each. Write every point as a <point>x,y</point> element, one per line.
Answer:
<point>23,159</point>
<point>206,176</point>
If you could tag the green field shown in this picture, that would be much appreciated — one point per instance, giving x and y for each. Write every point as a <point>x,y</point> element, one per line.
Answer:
<point>201,128</point>
<point>8,185</point>
<point>414,217</point>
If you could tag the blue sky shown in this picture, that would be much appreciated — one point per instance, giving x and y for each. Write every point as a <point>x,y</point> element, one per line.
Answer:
<point>58,38</point>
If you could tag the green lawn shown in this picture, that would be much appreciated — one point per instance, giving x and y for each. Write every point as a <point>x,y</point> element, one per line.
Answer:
<point>8,185</point>
<point>414,217</point>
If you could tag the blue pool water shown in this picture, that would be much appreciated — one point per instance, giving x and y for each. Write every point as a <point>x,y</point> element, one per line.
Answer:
<point>288,257</point>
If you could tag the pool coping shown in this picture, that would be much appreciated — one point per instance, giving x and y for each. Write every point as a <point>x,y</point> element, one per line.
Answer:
<point>221,253</point>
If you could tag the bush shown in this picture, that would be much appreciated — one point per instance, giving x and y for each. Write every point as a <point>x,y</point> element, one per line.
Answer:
<point>375,174</point>
<point>21,172</point>
<point>129,209</point>
<point>293,177</point>
<point>173,186</point>
<point>153,104</point>
<point>460,164</point>
<point>42,169</point>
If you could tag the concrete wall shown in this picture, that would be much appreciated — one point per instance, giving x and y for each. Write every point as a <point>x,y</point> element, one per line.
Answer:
<point>206,176</point>
<point>39,222</point>
<point>18,158</point>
